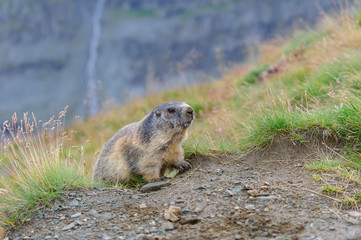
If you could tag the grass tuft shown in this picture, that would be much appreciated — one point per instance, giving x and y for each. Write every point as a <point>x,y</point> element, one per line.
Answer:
<point>41,167</point>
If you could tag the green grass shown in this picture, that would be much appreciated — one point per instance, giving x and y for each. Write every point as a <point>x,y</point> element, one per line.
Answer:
<point>304,40</point>
<point>253,76</point>
<point>40,166</point>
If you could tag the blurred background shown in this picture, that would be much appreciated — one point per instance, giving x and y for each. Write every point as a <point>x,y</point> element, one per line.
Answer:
<point>95,54</point>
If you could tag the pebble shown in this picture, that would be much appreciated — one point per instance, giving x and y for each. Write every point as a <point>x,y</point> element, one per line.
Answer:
<point>142,206</point>
<point>74,203</point>
<point>354,214</point>
<point>78,214</point>
<point>250,206</point>
<point>236,182</point>
<point>198,210</point>
<point>106,216</point>
<point>69,226</point>
<point>236,191</point>
<point>93,213</point>
<point>219,172</point>
<point>173,214</point>
<point>167,226</point>
<point>154,186</point>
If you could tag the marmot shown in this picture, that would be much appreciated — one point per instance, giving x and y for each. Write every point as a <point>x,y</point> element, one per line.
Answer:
<point>147,147</point>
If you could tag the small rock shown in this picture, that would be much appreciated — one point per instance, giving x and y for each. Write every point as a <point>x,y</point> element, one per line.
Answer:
<point>266,197</point>
<point>48,237</point>
<point>250,206</point>
<point>236,191</point>
<point>219,172</point>
<point>198,210</point>
<point>264,194</point>
<point>236,182</point>
<point>106,237</point>
<point>266,183</point>
<point>247,187</point>
<point>173,214</point>
<point>252,193</point>
<point>167,226</point>
<point>142,206</point>
<point>74,203</point>
<point>116,229</point>
<point>72,194</point>
<point>154,186</point>
<point>353,235</point>
<point>93,213</point>
<point>298,165</point>
<point>76,215</point>
<point>106,216</point>
<point>69,226</point>
<point>354,214</point>
<point>264,187</point>
<point>214,179</point>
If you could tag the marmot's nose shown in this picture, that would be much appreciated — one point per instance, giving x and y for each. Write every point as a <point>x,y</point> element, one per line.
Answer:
<point>190,111</point>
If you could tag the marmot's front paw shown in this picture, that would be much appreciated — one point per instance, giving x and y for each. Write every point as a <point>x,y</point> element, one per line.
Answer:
<point>183,166</point>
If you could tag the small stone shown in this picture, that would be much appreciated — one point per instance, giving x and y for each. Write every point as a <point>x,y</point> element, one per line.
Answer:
<point>167,226</point>
<point>250,206</point>
<point>69,226</point>
<point>264,187</point>
<point>78,214</point>
<point>236,182</point>
<point>106,237</point>
<point>264,194</point>
<point>79,222</point>
<point>173,214</point>
<point>298,165</point>
<point>93,213</point>
<point>247,187</point>
<point>266,183</point>
<point>214,179</point>
<point>48,237</point>
<point>142,206</point>
<point>74,203</point>
<point>116,229</point>
<point>154,186</point>
<point>354,214</point>
<point>106,216</point>
<point>252,193</point>
<point>198,210</point>
<point>236,191</point>
<point>219,172</point>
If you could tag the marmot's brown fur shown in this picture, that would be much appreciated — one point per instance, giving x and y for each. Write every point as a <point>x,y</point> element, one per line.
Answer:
<point>147,147</point>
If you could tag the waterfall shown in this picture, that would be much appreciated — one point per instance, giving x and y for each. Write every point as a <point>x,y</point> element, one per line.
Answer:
<point>93,55</point>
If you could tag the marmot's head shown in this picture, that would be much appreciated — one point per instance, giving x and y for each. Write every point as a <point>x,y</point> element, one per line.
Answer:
<point>169,118</point>
<point>176,116</point>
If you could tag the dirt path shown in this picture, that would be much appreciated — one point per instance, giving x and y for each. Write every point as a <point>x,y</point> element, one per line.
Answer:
<point>261,195</point>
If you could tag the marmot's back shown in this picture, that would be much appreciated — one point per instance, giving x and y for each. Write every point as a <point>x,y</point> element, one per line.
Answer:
<point>146,147</point>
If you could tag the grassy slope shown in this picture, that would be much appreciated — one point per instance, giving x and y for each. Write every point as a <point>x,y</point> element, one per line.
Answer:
<point>311,82</point>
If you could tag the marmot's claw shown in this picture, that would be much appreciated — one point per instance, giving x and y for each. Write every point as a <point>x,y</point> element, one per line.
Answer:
<point>183,166</point>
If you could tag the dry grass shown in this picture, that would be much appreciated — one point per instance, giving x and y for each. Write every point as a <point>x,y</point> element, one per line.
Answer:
<point>40,166</point>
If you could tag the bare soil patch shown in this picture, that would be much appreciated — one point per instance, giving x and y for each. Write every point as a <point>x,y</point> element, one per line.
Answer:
<point>264,194</point>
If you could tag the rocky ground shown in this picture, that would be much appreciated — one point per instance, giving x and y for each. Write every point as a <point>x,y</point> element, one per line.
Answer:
<point>260,195</point>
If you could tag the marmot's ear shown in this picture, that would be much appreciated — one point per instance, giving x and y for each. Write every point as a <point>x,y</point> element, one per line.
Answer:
<point>157,113</point>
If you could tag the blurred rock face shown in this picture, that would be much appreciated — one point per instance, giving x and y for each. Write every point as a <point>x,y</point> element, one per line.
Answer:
<point>144,46</point>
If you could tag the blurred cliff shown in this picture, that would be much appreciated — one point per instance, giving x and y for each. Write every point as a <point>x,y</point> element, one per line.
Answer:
<point>91,54</point>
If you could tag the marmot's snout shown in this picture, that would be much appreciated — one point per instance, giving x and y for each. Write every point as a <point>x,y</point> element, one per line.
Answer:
<point>189,115</point>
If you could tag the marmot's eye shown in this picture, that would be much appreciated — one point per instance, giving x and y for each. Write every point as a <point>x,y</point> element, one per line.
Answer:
<point>171,110</point>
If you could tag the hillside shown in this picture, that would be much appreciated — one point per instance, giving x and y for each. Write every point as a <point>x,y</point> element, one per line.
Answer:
<point>275,150</point>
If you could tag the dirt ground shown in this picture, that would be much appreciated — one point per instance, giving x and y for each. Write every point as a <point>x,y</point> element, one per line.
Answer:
<point>264,194</point>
